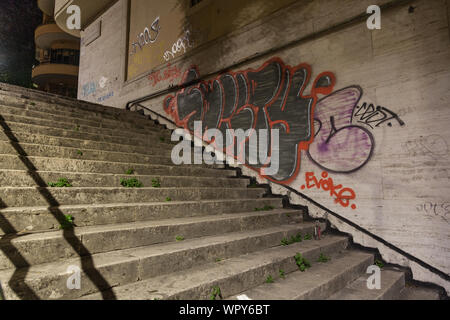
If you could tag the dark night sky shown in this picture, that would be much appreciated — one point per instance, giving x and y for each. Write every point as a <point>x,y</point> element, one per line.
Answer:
<point>18,20</point>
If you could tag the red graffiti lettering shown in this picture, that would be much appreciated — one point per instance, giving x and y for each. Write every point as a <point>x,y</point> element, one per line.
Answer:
<point>171,73</point>
<point>342,196</point>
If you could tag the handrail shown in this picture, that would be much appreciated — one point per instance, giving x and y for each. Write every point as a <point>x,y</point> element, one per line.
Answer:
<point>409,256</point>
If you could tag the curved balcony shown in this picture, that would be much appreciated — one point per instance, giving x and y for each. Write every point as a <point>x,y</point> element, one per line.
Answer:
<point>47,6</point>
<point>46,34</point>
<point>90,10</point>
<point>55,72</point>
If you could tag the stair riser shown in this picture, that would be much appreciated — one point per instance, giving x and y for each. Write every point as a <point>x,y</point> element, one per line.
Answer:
<point>151,140</point>
<point>111,130</point>
<point>22,137</point>
<point>44,220</point>
<point>127,270</point>
<point>28,197</point>
<point>72,153</point>
<point>348,275</point>
<point>21,179</point>
<point>62,105</point>
<point>55,247</point>
<point>394,291</point>
<point>87,166</point>
<point>43,111</point>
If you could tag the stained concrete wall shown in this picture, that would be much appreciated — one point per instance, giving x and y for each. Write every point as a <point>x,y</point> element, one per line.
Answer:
<point>398,170</point>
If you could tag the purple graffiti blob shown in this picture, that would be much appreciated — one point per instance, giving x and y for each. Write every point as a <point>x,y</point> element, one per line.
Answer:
<point>339,146</point>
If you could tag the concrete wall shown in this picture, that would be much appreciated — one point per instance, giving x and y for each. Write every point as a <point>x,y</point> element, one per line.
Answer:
<point>395,173</point>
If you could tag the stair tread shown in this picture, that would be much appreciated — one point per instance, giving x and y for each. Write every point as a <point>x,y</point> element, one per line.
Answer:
<point>100,260</point>
<point>146,224</point>
<point>83,123</point>
<point>127,204</point>
<point>203,167</point>
<point>358,290</point>
<point>169,285</point>
<point>299,284</point>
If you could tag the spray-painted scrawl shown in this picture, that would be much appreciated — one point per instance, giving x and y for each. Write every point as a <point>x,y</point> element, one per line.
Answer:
<point>271,97</point>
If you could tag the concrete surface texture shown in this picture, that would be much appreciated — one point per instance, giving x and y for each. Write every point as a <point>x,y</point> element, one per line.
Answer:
<point>71,230</point>
<point>380,111</point>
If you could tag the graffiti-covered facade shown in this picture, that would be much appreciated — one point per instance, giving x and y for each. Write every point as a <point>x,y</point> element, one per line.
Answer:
<point>362,113</point>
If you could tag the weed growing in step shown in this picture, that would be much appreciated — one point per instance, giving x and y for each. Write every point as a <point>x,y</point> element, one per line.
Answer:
<point>269,279</point>
<point>131,183</point>
<point>77,128</point>
<point>266,208</point>
<point>219,260</point>
<point>253,185</point>
<point>156,183</point>
<point>379,264</point>
<point>293,239</point>
<point>168,199</point>
<point>32,103</point>
<point>308,237</point>
<point>62,183</point>
<point>130,171</point>
<point>80,153</point>
<point>179,238</point>
<point>282,274</point>
<point>216,293</point>
<point>68,222</point>
<point>162,139</point>
<point>301,262</point>
<point>323,258</point>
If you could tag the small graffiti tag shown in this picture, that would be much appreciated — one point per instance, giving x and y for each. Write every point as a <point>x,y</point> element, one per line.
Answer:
<point>435,209</point>
<point>171,73</point>
<point>374,117</point>
<point>341,195</point>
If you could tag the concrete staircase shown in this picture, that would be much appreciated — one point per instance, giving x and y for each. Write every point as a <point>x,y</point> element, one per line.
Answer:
<point>187,231</point>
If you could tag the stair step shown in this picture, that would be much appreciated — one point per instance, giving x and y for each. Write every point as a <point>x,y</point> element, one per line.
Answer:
<point>101,129</point>
<point>392,282</point>
<point>41,150</point>
<point>315,283</point>
<point>231,276</point>
<point>12,162</point>
<point>87,120</point>
<point>21,179</point>
<point>151,140</point>
<point>25,197</point>
<point>43,218</point>
<point>12,94</point>
<point>70,112</point>
<point>412,292</point>
<point>168,261</point>
<point>32,138</point>
<point>40,248</point>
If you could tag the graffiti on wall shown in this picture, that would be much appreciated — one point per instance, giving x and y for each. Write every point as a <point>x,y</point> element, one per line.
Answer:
<point>373,117</point>
<point>432,146</point>
<point>146,37</point>
<point>180,46</point>
<point>335,132</point>
<point>434,209</point>
<point>339,145</point>
<point>342,196</point>
<point>271,97</point>
<point>170,73</point>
